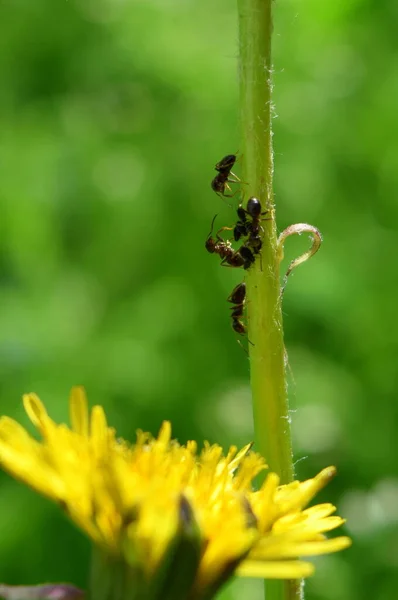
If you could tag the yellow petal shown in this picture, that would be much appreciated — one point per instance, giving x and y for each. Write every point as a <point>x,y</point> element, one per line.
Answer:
<point>13,433</point>
<point>37,413</point>
<point>294,569</point>
<point>319,511</point>
<point>79,411</point>
<point>289,548</point>
<point>32,470</point>
<point>325,547</point>
<point>164,434</point>
<point>98,430</point>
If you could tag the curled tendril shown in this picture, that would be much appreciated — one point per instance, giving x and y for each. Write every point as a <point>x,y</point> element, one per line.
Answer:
<point>298,229</point>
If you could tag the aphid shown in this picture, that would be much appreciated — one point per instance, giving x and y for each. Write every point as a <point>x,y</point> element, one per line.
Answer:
<point>224,176</point>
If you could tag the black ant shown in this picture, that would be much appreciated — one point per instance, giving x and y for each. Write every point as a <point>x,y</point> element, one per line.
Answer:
<point>253,208</point>
<point>247,256</point>
<point>238,294</point>
<point>226,163</point>
<point>223,248</point>
<point>243,257</point>
<point>251,228</point>
<point>242,227</point>
<point>237,297</point>
<point>221,180</point>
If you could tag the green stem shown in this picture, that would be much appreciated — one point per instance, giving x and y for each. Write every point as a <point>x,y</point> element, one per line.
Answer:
<point>267,354</point>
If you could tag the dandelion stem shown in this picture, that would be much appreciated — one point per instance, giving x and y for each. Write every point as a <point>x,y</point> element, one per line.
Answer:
<point>267,354</point>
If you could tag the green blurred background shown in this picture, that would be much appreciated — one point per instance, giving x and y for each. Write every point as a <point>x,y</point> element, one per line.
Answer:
<point>112,115</point>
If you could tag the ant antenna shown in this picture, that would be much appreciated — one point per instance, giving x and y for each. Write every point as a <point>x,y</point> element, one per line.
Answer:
<point>212,225</point>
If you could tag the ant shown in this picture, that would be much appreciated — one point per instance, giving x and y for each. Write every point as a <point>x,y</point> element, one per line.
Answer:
<point>253,208</point>
<point>243,257</point>
<point>226,163</point>
<point>242,226</point>
<point>221,180</point>
<point>237,297</point>
<point>251,228</point>
<point>223,248</point>
<point>247,256</point>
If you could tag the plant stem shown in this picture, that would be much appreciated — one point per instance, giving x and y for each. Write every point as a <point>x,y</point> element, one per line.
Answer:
<point>267,354</point>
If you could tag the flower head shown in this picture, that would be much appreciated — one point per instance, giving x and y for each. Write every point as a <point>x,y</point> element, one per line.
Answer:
<point>152,502</point>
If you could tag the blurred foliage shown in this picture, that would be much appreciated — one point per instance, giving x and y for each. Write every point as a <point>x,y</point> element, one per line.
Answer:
<point>112,116</point>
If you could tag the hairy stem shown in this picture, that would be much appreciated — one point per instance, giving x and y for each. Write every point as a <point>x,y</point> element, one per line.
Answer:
<point>267,354</point>
<point>267,351</point>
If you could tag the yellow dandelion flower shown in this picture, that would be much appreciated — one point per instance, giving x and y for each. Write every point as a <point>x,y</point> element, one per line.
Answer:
<point>172,515</point>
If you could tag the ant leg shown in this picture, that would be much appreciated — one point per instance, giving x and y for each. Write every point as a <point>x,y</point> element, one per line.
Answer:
<point>224,263</point>
<point>242,346</point>
<point>223,196</point>
<point>235,178</point>
<point>250,342</point>
<point>220,239</point>
<point>261,227</point>
<point>229,195</point>
<point>226,187</point>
